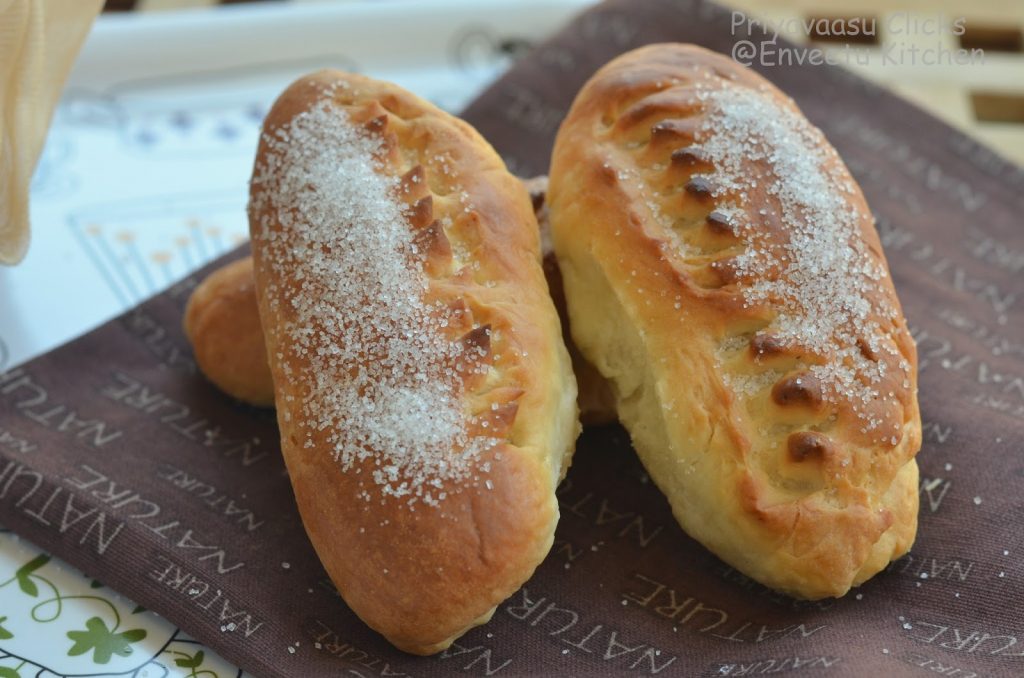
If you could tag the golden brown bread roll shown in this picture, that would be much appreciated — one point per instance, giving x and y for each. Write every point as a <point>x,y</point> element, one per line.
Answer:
<point>424,395</point>
<point>222,324</point>
<point>722,269</point>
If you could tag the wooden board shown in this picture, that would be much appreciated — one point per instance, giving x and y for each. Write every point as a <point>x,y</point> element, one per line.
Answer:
<point>984,99</point>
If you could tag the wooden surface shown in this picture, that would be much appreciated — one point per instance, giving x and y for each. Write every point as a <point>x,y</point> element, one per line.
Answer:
<point>985,100</point>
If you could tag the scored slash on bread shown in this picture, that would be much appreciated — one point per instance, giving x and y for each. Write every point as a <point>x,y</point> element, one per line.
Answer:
<point>722,270</point>
<point>424,396</point>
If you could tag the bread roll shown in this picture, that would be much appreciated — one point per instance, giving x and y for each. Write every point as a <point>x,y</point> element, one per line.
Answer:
<point>222,324</point>
<point>425,398</point>
<point>722,270</point>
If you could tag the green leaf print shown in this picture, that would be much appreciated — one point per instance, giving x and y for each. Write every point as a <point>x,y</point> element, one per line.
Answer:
<point>24,574</point>
<point>191,662</point>
<point>103,642</point>
<point>6,672</point>
<point>4,634</point>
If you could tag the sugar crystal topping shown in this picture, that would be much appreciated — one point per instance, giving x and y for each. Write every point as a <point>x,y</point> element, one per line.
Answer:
<point>383,381</point>
<point>822,281</point>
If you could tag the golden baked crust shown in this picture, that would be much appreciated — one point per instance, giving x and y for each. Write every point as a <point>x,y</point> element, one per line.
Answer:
<point>222,323</point>
<point>722,269</point>
<point>424,459</point>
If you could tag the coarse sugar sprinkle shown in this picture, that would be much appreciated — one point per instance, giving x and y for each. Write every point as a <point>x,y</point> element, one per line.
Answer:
<point>383,380</point>
<point>823,282</point>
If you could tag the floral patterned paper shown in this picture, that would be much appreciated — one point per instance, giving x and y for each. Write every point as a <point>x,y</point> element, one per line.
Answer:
<point>56,621</point>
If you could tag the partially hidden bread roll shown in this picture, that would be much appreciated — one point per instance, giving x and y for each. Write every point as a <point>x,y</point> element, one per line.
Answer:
<point>222,323</point>
<point>722,269</point>
<point>424,394</point>
<point>223,326</point>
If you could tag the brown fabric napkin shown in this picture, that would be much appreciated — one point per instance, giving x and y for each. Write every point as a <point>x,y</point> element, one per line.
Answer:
<point>146,477</point>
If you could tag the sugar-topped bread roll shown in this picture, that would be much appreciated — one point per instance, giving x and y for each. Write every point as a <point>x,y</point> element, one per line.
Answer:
<point>425,399</point>
<point>722,269</point>
<point>222,324</point>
